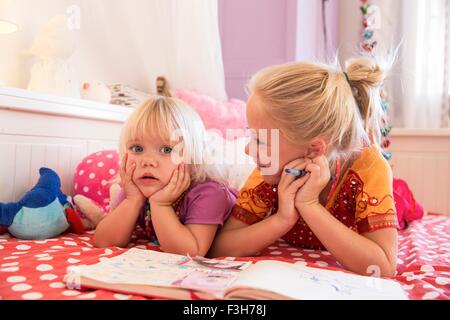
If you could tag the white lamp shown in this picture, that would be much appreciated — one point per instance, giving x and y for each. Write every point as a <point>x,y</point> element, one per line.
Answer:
<point>7,27</point>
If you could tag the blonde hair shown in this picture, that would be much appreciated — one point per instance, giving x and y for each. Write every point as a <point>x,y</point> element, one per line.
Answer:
<point>311,100</point>
<point>164,116</point>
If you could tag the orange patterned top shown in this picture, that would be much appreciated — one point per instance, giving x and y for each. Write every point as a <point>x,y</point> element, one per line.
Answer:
<point>363,200</point>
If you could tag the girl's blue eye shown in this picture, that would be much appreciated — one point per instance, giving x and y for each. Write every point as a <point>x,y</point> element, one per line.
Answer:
<point>166,150</point>
<point>136,149</point>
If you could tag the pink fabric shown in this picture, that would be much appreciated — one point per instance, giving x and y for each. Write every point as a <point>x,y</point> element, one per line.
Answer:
<point>93,176</point>
<point>408,209</point>
<point>36,269</point>
<point>216,114</point>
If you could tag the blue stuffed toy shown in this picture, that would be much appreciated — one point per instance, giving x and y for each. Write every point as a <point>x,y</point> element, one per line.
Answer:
<point>41,213</point>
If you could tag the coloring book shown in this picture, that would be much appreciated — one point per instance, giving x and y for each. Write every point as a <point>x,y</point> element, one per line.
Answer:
<point>164,275</point>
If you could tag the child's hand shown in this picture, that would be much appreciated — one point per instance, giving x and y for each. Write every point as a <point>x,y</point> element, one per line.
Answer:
<point>287,190</point>
<point>178,183</point>
<point>132,192</point>
<point>316,180</point>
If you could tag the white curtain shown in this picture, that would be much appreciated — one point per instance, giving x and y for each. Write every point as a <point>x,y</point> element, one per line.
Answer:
<point>424,58</point>
<point>129,42</point>
<point>418,85</point>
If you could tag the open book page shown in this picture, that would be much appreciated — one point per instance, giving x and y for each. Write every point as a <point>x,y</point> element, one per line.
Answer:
<point>296,281</point>
<point>152,268</point>
<point>161,274</point>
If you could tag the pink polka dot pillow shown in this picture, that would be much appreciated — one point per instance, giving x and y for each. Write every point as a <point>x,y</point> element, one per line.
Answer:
<point>94,174</point>
<point>216,114</point>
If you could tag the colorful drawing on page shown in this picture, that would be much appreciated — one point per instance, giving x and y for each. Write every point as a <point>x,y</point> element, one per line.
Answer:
<point>223,265</point>
<point>200,280</point>
<point>339,283</point>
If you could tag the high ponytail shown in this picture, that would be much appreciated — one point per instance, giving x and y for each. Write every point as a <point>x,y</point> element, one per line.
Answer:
<point>366,78</point>
<point>309,100</point>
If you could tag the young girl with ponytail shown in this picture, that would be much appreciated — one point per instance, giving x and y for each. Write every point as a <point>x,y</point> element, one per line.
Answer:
<point>326,184</point>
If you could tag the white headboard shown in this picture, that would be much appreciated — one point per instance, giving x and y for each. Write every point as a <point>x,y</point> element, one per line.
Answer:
<point>41,130</point>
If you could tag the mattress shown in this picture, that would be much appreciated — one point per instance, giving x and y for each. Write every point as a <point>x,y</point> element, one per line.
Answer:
<point>36,269</point>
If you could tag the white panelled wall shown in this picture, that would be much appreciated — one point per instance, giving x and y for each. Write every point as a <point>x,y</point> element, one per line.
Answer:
<point>422,158</point>
<point>39,130</point>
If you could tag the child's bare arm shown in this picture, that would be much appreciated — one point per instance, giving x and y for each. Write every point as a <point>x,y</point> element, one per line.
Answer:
<point>373,252</point>
<point>116,228</point>
<point>174,237</point>
<point>367,254</point>
<point>238,239</point>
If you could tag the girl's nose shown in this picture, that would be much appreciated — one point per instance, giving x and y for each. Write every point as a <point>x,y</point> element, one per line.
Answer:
<point>149,161</point>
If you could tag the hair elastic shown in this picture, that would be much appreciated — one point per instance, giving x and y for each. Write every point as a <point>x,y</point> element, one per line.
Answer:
<point>347,77</point>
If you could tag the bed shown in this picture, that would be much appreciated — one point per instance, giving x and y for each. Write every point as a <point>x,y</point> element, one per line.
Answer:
<point>35,269</point>
<point>41,130</point>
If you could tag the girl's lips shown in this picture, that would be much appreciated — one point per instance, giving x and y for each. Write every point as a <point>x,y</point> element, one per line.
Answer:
<point>148,181</point>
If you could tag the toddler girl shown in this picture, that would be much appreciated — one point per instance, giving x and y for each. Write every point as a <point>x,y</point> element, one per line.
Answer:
<point>178,199</point>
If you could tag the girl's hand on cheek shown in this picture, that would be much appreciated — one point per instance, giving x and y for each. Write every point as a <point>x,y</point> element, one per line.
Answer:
<point>127,169</point>
<point>179,182</point>
<point>318,178</point>
<point>287,190</point>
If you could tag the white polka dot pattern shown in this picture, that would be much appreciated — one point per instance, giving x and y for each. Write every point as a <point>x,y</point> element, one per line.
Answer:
<point>93,174</point>
<point>35,270</point>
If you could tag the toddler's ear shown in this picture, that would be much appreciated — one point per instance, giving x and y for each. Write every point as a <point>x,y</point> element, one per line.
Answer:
<point>317,147</point>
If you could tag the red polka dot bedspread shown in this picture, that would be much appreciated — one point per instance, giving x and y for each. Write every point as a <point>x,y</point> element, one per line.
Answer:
<point>35,269</point>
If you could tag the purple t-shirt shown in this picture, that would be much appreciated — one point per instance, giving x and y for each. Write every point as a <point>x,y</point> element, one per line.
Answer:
<point>205,203</point>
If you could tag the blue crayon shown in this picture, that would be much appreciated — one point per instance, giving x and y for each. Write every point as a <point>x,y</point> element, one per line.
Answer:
<point>298,173</point>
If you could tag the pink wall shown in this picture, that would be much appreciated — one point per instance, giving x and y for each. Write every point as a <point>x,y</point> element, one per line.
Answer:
<point>259,33</point>
<point>310,34</point>
<point>255,34</point>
